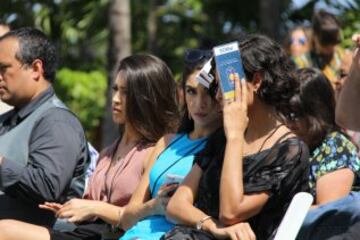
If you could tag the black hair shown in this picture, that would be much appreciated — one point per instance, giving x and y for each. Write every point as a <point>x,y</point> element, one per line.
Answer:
<point>151,96</point>
<point>260,54</point>
<point>315,103</point>
<point>326,28</point>
<point>187,124</point>
<point>33,44</point>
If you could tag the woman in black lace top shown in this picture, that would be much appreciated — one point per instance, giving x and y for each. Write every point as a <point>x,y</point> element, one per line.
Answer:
<point>250,171</point>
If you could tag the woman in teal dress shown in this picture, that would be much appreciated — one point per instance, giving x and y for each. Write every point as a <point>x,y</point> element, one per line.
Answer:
<point>144,217</point>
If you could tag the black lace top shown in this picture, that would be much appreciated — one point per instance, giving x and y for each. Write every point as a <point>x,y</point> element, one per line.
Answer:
<point>281,171</point>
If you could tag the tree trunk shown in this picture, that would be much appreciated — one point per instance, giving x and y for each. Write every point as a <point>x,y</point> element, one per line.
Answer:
<point>270,18</point>
<point>152,26</point>
<point>119,48</point>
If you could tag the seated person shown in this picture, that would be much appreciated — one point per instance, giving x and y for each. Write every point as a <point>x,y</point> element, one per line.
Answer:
<point>251,172</point>
<point>143,121</point>
<point>334,163</point>
<point>43,150</point>
<point>144,216</point>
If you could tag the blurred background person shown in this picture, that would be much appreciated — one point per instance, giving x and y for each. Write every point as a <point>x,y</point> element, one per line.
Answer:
<point>325,52</point>
<point>297,42</point>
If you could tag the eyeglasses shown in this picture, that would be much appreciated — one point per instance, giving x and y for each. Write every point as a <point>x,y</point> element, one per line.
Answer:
<point>301,41</point>
<point>193,56</point>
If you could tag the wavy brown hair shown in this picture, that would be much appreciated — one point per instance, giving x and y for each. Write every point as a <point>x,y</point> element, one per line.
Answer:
<point>151,96</point>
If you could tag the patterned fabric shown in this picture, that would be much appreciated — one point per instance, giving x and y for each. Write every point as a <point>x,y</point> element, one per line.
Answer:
<point>335,152</point>
<point>330,69</point>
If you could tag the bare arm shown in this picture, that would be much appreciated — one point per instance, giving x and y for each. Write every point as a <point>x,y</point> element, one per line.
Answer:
<point>141,204</point>
<point>235,206</point>
<point>79,210</point>
<point>349,98</point>
<point>334,185</point>
<point>181,209</point>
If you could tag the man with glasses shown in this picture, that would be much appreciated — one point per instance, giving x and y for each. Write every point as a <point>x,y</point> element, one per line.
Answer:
<point>43,151</point>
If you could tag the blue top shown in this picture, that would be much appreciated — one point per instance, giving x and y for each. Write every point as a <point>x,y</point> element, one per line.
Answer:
<point>176,159</point>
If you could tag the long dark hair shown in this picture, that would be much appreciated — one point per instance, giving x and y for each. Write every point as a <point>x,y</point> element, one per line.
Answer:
<point>315,103</point>
<point>186,123</point>
<point>151,96</point>
<point>262,55</point>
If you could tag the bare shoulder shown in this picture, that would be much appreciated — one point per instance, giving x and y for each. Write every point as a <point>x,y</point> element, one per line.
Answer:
<point>283,134</point>
<point>160,145</point>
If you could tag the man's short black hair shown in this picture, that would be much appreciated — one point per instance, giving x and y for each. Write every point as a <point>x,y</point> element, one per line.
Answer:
<point>326,28</point>
<point>33,44</point>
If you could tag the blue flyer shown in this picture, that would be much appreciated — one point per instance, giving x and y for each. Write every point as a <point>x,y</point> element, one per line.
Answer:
<point>228,64</point>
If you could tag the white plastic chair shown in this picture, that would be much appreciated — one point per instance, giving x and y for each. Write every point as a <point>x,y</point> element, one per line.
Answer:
<point>294,216</point>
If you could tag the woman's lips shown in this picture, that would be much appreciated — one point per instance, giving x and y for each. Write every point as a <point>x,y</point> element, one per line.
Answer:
<point>200,115</point>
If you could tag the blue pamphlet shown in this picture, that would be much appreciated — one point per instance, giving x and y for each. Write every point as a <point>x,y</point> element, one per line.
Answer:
<point>228,64</point>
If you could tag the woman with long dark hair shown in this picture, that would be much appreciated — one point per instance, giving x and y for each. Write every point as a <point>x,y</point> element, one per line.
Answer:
<point>144,216</point>
<point>334,163</point>
<point>144,106</point>
<point>251,171</point>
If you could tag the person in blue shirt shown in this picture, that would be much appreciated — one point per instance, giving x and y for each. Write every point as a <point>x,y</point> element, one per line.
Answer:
<point>144,217</point>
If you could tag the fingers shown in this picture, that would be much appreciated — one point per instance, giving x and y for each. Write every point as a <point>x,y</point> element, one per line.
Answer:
<point>244,93</point>
<point>233,236</point>
<point>64,212</point>
<point>48,208</point>
<point>165,189</point>
<point>250,232</point>
<point>244,232</point>
<point>238,88</point>
<point>54,207</point>
<point>356,39</point>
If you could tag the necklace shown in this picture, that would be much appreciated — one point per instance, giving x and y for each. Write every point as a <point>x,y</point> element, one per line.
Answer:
<point>266,139</point>
<point>108,190</point>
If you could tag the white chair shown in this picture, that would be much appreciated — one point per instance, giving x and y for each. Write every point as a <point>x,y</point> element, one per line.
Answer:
<point>294,216</point>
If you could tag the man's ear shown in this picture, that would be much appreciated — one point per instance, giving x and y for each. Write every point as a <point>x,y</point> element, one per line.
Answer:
<point>37,68</point>
<point>257,80</point>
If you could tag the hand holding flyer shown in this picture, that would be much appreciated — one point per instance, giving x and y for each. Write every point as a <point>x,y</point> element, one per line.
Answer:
<point>228,64</point>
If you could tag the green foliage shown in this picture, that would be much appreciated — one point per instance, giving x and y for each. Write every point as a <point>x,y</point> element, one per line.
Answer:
<point>77,27</point>
<point>351,24</point>
<point>84,94</point>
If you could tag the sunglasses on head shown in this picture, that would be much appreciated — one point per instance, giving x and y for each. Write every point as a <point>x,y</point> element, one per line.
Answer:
<point>204,76</point>
<point>301,41</point>
<point>193,56</point>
